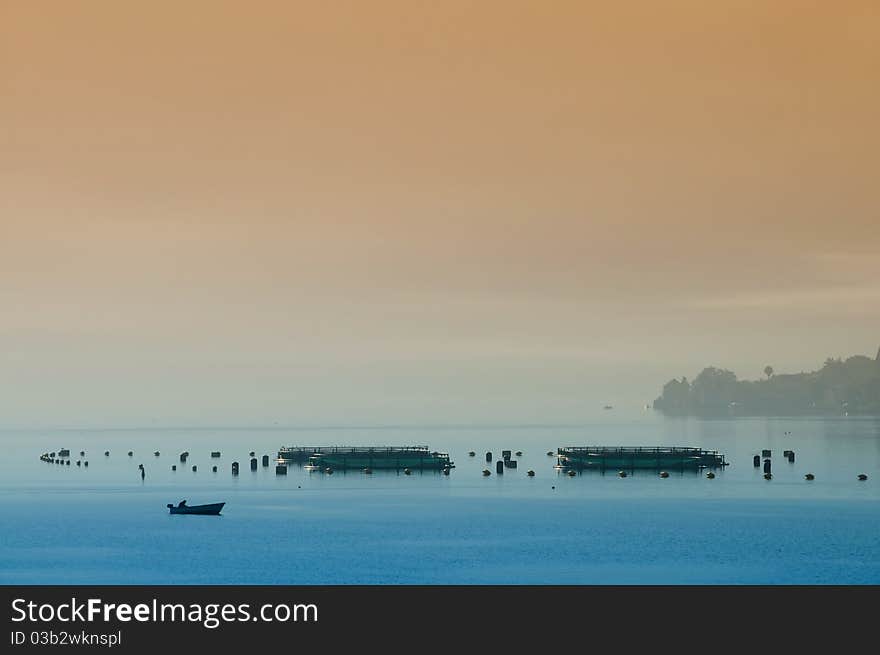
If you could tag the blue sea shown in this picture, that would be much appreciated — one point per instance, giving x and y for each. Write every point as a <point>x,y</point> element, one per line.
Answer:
<point>104,525</point>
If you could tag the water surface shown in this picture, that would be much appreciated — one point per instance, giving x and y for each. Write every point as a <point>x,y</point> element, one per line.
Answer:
<point>103,524</point>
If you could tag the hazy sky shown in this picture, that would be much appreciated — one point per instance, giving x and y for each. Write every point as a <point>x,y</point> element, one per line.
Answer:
<point>459,211</point>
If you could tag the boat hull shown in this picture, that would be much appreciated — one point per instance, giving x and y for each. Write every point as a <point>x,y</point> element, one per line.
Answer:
<point>212,509</point>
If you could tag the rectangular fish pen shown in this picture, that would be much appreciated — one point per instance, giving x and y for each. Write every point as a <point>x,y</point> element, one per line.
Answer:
<point>637,457</point>
<point>417,458</point>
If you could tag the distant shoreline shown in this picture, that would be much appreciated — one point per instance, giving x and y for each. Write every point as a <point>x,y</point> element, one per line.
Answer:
<point>841,388</point>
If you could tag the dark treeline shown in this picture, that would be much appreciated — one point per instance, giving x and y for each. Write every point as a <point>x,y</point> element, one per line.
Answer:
<point>840,387</point>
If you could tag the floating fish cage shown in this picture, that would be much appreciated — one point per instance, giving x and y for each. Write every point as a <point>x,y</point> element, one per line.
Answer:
<point>637,457</point>
<point>416,458</point>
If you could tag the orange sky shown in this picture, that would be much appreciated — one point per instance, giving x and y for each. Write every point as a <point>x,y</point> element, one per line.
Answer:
<point>373,211</point>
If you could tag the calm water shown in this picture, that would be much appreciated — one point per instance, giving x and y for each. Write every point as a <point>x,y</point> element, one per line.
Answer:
<point>104,525</point>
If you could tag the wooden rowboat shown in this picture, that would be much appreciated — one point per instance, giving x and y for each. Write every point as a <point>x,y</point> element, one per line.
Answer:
<point>213,509</point>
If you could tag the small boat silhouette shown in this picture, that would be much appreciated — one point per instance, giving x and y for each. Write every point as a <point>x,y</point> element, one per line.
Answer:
<point>183,508</point>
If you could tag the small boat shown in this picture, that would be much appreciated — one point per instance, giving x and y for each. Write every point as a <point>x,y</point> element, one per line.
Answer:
<point>183,508</point>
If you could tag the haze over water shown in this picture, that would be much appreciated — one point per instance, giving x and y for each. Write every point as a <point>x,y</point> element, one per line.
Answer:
<point>400,212</point>
<point>495,217</point>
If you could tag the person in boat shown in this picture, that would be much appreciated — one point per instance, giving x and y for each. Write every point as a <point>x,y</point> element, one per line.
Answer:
<point>182,503</point>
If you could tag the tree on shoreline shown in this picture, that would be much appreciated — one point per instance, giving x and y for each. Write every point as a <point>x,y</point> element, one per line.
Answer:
<point>840,387</point>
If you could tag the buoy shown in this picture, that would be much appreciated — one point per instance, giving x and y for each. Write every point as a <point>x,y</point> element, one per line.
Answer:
<point>213,469</point>
<point>499,467</point>
<point>156,454</point>
<point>406,472</point>
<point>130,453</point>
<point>519,453</point>
<point>194,468</point>
<point>265,460</point>
<point>809,476</point>
<point>768,476</point>
<point>530,473</point>
<point>710,475</point>
<point>862,477</point>
<point>281,469</point>
<point>572,473</point>
<point>253,463</point>
<point>251,454</point>
<point>553,487</point>
<point>488,456</point>
<point>472,454</point>
<point>486,472</point>
<point>106,453</point>
<point>621,474</point>
<point>664,474</point>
